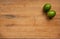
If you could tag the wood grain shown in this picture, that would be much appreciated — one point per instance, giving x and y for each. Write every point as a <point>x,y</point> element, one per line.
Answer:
<point>29,20</point>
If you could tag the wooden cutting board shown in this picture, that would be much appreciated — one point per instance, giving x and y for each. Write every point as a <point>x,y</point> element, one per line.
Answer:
<point>26,19</point>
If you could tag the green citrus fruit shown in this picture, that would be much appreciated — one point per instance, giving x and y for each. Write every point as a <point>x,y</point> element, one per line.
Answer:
<point>51,13</point>
<point>47,7</point>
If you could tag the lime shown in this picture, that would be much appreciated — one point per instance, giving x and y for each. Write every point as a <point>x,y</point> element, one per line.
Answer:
<point>51,13</point>
<point>47,7</point>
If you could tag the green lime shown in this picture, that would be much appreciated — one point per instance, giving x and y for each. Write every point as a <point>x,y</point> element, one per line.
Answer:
<point>51,13</point>
<point>47,7</point>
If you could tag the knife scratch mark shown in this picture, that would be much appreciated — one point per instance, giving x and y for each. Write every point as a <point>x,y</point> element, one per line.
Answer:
<point>8,16</point>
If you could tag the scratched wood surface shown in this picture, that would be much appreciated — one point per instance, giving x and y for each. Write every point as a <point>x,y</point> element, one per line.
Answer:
<point>26,19</point>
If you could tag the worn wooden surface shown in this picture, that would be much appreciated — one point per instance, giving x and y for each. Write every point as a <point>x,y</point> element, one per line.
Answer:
<point>25,19</point>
